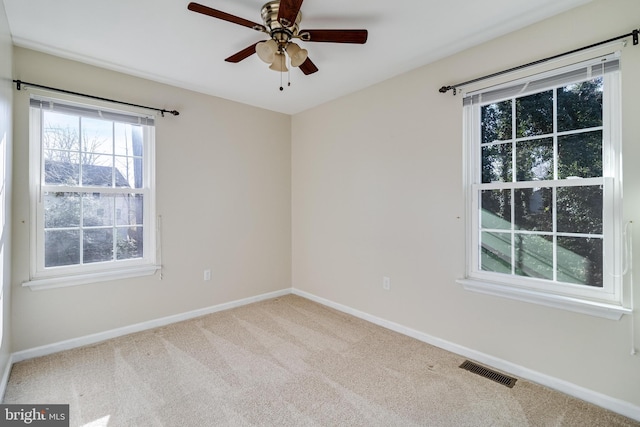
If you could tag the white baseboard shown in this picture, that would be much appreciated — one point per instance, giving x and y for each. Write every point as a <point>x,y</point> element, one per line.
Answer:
<point>114,333</point>
<point>616,405</point>
<point>5,377</point>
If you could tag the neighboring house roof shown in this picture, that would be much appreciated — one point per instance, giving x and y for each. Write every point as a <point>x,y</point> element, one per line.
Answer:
<point>57,172</point>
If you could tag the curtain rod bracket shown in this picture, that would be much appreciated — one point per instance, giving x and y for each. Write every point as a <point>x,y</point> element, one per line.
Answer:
<point>445,89</point>
<point>635,36</point>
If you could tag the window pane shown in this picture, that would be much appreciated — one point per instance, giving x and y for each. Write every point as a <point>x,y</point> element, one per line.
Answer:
<point>580,105</point>
<point>97,136</point>
<point>580,261</point>
<point>129,209</point>
<point>61,247</point>
<point>97,170</point>
<point>580,155</point>
<point>61,167</point>
<point>533,209</point>
<point>98,245</point>
<point>496,209</point>
<point>534,114</point>
<point>129,152</point>
<point>97,209</point>
<point>580,209</point>
<point>534,160</point>
<point>496,122</point>
<point>534,256</point>
<point>497,163</point>
<point>129,172</point>
<point>61,210</point>
<point>128,139</point>
<point>130,243</point>
<point>495,252</point>
<point>60,131</point>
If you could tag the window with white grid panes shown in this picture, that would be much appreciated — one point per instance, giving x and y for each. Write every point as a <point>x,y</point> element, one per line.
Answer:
<point>543,187</point>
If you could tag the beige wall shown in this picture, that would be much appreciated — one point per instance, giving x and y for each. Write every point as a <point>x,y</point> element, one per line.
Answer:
<point>223,189</point>
<point>377,191</point>
<point>6,94</point>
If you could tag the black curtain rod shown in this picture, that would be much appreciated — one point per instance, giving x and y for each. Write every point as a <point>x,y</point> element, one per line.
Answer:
<point>445,89</point>
<point>19,84</point>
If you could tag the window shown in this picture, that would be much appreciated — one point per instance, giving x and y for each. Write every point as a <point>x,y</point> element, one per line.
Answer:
<point>544,188</point>
<point>92,193</point>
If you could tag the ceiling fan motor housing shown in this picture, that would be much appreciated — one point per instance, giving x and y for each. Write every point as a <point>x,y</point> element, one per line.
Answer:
<point>281,32</point>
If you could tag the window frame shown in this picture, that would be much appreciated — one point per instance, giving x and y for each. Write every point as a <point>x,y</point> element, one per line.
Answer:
<point>604,302</point>
<point>41,277</point>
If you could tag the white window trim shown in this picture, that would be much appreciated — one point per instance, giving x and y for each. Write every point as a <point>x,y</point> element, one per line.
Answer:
<point>37,284</point>
<point>57,277</point>
<point>593,308</point>
<point>606,303</point>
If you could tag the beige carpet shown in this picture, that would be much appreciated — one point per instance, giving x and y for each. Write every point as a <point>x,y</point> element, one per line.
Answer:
<point>284,362</point>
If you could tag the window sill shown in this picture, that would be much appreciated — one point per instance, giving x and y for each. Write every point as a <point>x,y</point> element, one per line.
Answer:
<point>42,283</point>
<point>592,308</point>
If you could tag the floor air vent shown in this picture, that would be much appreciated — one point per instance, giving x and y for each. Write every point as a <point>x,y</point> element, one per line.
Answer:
<point>488,373</point>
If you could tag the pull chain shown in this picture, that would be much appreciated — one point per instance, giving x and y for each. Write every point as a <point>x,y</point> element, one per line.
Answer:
<point>281,59</point>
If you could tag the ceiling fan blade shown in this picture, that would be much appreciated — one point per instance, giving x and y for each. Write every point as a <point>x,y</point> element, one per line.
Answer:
<point>243,54</point>
<point>308,67</point>
<point>334,36</point>
<point>196,7</point>
<point>288,11</point>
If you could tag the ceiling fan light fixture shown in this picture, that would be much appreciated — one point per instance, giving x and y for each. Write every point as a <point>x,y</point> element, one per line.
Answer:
<point>267,50</point>
<point>297,54</point>
<point>279,63</point>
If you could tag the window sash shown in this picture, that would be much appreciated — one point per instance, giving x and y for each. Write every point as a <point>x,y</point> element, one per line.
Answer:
<point>608,291</point>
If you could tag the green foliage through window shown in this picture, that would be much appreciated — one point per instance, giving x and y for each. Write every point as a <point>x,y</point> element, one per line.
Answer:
<point>552,232</point>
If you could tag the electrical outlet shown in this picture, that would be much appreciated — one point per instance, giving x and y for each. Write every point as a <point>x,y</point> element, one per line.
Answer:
<point>386,283</point>
<point>207,275</point>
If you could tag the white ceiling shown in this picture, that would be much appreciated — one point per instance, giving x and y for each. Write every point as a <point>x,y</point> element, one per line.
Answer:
<point>161,40</point>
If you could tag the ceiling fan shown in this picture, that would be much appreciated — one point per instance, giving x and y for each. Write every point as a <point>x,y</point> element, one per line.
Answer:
<point>281,22</point>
